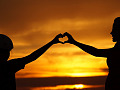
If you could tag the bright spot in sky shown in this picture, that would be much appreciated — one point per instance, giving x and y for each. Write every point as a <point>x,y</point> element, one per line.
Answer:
<point>79,86</point>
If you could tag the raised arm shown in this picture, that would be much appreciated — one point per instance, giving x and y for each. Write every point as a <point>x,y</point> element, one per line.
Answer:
<point>34,55</point>
<point>89,49</point>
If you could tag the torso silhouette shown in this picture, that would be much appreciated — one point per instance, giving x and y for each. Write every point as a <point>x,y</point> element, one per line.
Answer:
<point>113,62</point>
<point>7,74</point>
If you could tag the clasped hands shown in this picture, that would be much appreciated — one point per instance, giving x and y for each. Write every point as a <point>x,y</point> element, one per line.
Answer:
<point>70,38</point>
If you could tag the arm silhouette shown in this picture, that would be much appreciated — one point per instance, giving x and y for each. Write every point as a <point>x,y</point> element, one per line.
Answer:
<point>34,55</point>
<point>89,49</point>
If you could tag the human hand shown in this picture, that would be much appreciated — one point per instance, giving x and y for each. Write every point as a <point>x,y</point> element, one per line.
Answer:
<point>70,38</point>
<point>56,39</point>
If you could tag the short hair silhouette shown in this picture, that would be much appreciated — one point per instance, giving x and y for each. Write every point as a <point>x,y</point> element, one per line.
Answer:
<point>5,42</point>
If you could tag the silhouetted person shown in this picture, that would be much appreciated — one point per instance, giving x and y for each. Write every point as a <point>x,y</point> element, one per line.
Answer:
<point>112,55</point>
<point>9,68</point>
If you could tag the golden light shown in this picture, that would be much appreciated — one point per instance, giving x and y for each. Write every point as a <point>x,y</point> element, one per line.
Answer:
<point>64,87</point>
<point>79,86</point>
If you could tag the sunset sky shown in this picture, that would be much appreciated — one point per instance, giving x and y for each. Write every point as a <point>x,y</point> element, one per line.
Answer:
<point>33,23</point>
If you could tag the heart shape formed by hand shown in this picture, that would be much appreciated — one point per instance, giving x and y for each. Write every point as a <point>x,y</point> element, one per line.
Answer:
<point>63,39</point>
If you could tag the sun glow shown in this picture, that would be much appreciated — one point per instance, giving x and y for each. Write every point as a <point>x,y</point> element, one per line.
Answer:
<point>88,74</point>
<point>67,87</point>
<point>79,86</point>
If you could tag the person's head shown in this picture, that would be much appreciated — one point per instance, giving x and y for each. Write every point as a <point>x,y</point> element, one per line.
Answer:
<point>6,46</point>
<point>116,30</point>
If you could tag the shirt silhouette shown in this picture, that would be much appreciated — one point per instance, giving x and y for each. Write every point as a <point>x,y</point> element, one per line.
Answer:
<point>9,68</point>
<point>112,55</point>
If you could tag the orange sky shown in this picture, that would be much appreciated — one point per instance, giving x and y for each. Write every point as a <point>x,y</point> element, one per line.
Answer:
<point>32,24</point>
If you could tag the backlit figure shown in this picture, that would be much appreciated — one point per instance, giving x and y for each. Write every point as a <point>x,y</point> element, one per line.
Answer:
<point>112,55</point>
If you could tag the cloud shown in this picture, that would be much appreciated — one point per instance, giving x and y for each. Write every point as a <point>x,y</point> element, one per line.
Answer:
<point>68,54</point>
<point>18,16</point>
<point>105,69</point>
<point>32,22</point>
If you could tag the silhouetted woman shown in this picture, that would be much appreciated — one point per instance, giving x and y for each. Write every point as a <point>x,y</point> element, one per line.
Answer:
<point>9,68</point>
<point>112,55</point>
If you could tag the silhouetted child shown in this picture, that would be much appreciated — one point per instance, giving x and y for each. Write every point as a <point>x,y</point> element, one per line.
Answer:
<point>112,55</point>
<point>9,68</point>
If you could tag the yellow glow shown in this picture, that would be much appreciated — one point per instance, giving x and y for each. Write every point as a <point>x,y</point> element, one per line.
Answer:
<point>61,60</point>
<point>64,87</point>
<point>79,86</point>
<point>88,74</point>
<point>59,74</point>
